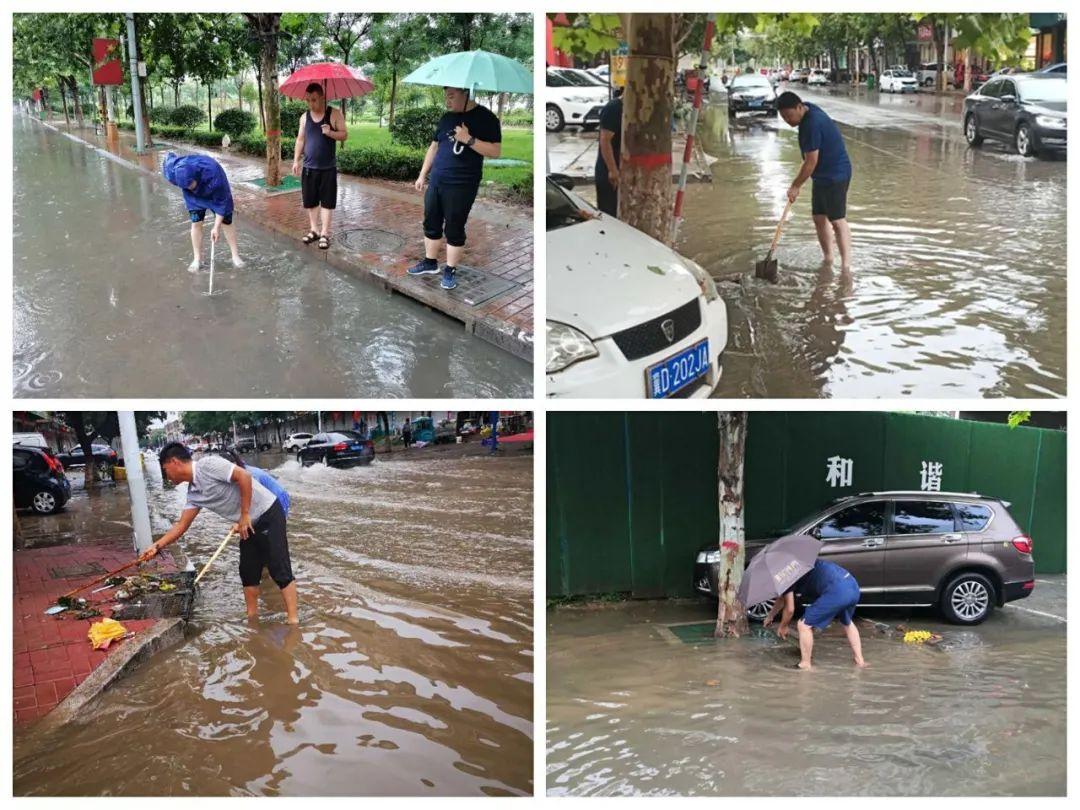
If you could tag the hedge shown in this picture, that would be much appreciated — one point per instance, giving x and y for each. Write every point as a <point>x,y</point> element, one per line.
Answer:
<point>187,116</point>
<point>517,119</point>
<point>211,139</point>
<point>389,162</point>
<point>290,117</point>
<point>160,115</point>
<point>235,122</point>
<point>414,127</point>
<point>256,145</point>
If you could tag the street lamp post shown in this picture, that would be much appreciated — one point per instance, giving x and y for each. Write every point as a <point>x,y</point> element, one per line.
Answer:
<point>140,512</point>
<point>136,89</point>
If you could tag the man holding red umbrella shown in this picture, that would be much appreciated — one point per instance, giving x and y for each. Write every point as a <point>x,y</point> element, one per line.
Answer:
<point>321,127</point>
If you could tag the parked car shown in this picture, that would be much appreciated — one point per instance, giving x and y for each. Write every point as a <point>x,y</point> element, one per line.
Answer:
<point>818,76</point>
<point>573,97</point>
<point>751,93</point>
<point>38,480</point>
<point>30,439</point>
<point>602,72</point>
<point>104,455</point>
<point>1058,69</point>
<point>899,81</point>
<point>295,441</point>
<point>446,432</point>
<point>338,448</point>
<point>627,315</point>
<point>927,74</point>
<point>959,552</point>
<point>1027,110</point>
<point>799,75</point>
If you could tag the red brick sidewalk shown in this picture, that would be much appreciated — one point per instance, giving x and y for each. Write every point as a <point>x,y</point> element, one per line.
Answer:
<point>500,240</point>
<point>52,654</point>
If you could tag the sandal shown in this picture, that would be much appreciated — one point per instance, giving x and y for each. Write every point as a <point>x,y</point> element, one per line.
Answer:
<point>311,237</point>
<point>324,243</point>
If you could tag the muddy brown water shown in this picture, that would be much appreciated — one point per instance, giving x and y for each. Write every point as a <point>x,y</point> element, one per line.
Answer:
<point>410,672</point>
<point>631,710</point>
<point>958,283</point>
<point>104,306</point>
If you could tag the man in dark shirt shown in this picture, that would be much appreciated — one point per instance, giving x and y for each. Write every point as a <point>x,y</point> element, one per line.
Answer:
<point>834,593</point>
<point>825,160</point>
<point>608,156</point>
<point>465,135</point>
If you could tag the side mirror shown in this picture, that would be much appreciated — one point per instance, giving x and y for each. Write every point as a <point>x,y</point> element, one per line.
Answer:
<point>563,181</point>
<point>1009,99</point>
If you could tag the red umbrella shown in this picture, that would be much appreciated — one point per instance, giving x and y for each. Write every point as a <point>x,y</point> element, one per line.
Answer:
<point>338,81</point>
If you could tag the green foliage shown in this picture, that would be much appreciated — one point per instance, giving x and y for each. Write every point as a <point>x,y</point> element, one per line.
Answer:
<point>160,115</point>
<point>388,162</point>
<point>235,122</point>
<point>1017,418</point>
<point>588,35</point>
<point>291,110</point>
<point>414,127</point>
<point>518,118</point>
<point>521,189</point>
<point>255,144</point>
<point>209,139</point>
<point>187,116</point>
<point>169,131</point>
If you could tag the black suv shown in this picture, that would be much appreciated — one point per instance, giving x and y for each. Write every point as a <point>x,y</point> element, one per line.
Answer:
<point>39,480</point>
<point>960,552</point>
<point>1025,110</point>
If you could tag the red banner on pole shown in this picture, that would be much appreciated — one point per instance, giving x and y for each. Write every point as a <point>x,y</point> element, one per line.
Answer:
<point>107,66</point>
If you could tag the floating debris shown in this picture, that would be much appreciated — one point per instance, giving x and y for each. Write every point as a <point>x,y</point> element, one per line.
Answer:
<point>105,632</point>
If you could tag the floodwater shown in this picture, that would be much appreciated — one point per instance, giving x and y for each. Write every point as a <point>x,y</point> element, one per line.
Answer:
<point>633,710</point>
<point>104,305</point>
<point>958,281</point>
<point>410,672</point>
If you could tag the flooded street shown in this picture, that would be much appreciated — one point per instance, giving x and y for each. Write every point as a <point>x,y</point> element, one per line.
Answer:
<point>634,708</point>
<point>410,671</point>
<point>103,305</point>
<point>958,285</point>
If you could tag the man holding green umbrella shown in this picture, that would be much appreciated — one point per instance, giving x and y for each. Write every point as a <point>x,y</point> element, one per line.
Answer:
<point>466,134</point>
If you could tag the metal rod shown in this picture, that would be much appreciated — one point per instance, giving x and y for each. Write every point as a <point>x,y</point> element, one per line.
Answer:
<point>212,243</point>
<point>706,47</point>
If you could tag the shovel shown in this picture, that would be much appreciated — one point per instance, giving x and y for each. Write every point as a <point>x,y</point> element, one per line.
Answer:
<point>767,269</point>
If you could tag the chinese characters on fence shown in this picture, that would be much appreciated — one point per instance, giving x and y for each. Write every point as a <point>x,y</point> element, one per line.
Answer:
<point>840,472</point>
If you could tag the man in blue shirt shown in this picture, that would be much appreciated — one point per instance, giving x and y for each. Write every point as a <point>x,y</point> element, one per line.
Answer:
<point>833,594</point>
<point>263,477</point>
<point>825,160</point>
<point>205,187</point>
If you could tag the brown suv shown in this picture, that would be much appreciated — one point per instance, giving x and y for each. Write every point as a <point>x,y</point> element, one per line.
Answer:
<point>960,552</point>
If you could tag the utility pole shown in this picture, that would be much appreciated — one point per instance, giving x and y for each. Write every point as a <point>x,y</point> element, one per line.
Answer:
<point>318,417</point>
<point>136,90</point>
<point>140,512</point>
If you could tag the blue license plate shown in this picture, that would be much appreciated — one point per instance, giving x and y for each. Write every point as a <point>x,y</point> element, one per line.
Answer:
<point>356,447</point>
<point>676,372</point>
<point>757,102</point>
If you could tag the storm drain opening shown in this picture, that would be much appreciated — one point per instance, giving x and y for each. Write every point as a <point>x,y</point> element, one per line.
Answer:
<point>473,286</point>
<point>371,240</point>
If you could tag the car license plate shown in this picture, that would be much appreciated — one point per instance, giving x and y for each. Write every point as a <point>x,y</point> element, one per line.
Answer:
<point>671,375</point>
<point>356,447</point>
<point>757,102</point>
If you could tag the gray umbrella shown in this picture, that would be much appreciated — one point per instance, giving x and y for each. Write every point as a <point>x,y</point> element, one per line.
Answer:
<point>777,567</point>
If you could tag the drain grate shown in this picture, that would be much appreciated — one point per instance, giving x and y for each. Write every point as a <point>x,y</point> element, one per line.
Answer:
<point>371,240</point>
<point>474,286</point>
<point>79,570</point>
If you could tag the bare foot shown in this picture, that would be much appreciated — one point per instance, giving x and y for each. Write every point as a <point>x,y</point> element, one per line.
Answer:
<point>861,664</point>
<point>801,665</point>
<point>194,266</point>
<point>238,263</point>
<point>293,620</point>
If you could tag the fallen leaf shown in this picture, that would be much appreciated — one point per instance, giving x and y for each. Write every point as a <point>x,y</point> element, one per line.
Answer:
<point>658,270</point>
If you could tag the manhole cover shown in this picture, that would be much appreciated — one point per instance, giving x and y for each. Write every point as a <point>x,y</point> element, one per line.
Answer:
<point>73,571</point>
<point>371,240</point>
<point>474,286</point>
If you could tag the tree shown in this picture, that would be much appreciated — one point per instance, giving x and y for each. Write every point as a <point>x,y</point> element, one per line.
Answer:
<point>210,61</point>
<point>301,36</point>
<point>344,31</point>
<point>266,28</point>
<point>730,615</point>
<point>396,41</point>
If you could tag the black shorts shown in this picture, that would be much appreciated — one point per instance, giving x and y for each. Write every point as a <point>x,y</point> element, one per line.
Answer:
<point>318,187</point>
<point>199,214</point>
<point>446,208</point>
<point>267,548</point>
<point>829,200</point>
<point>607,196</point>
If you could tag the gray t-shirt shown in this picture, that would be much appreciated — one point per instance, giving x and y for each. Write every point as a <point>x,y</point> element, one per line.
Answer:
<point>210,488</point>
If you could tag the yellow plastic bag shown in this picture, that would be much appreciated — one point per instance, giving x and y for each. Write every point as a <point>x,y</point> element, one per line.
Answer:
<point>103,633</point>
<point>917,636</point>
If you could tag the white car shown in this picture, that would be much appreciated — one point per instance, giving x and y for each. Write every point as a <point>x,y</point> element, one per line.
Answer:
<point>573,97</point>
<point>899,81</point>
<point>927,74</point>
<point>295,442</point>
<point>627,316</point>
<point>818,76</point>
<point>602,72</point>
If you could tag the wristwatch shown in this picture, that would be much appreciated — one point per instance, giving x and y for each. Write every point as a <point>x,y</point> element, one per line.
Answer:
<point>471,141</point>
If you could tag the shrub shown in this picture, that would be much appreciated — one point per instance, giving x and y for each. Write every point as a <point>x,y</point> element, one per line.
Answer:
<point>160,115</point>
<point>521,118</point>
<point>414,127</point>
<point>210,139</point>
<point>521,189</point>
<point>255,144</point>
<point>168,130</point>
<point>390,162</point>
<point>186,116</point>
<point>290,117</point>
<point>234,122</point>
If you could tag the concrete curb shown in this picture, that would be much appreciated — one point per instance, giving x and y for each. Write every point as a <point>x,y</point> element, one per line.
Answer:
<point>120,663</point>
<point>518,342</point>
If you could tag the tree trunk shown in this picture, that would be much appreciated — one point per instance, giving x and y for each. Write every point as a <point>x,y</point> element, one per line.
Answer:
<point>209,106</point>
<point>645,188</point>
<point>730,615</point>
<point>74,88</point>
<point>271,101</point>
<point>86,442</point>
<point>393,95</point>
<point>176,94</point>
<point>939,49</point>
<point>63,100</point>
<point>967,70</point>
<point>258,85</point>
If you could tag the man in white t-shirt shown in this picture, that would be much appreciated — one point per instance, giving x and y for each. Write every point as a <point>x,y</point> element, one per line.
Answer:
<point>229,490</point>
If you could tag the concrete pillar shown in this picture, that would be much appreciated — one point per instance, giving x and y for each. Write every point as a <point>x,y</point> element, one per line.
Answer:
<point>136,89</point>
<point>140,511</point>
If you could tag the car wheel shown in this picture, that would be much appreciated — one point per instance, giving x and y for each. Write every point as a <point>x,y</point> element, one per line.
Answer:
<point>967,599</point>
<point>45,503</point>
<point>1023,141</point>
<point>971,130</point>
<point>758,612</point>
<point>553,119</point>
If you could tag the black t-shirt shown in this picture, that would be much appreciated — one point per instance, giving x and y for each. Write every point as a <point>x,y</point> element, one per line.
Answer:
<point>611,120</point>
<point>466,168</point>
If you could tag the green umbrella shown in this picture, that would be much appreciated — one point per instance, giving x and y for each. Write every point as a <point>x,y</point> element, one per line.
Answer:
<point>473,71</point>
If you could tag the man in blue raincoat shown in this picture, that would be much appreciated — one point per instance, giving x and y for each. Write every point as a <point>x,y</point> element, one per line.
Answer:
<point>205,188</point>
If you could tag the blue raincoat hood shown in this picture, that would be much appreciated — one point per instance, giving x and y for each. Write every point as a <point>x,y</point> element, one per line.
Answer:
<point>211,190</point>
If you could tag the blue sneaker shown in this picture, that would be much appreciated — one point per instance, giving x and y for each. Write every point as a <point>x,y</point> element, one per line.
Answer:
<point>449,278</point>
<point>424,267</point>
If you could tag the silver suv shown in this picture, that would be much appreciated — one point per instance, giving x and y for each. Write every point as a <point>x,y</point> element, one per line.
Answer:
<point>960,552</point>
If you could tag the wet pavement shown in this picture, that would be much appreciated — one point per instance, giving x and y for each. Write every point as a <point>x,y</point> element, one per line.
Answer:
<point>100,257</point>
<point>631,709</point>
<point>958,282</point>
<point>410,672</point>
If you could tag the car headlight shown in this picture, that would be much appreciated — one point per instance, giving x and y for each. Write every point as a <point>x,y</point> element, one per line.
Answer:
<point>709,557</point>
<point>566,345</point>
<point>704,280</point>
<point>1050,122</point>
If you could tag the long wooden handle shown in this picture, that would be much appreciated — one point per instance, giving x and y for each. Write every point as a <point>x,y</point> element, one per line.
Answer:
<point>102,578</point>
<point>780,227</point>
<point>210,562</point>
